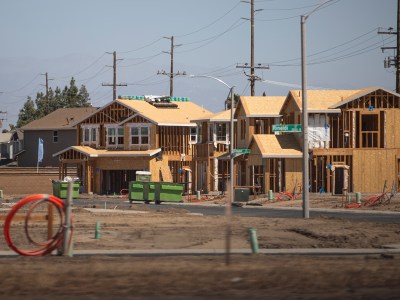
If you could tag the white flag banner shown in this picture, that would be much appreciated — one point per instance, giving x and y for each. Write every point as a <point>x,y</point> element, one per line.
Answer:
<point>40,150</point>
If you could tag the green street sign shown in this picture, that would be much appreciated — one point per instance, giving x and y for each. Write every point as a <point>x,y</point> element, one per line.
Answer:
<point>287,128</point>
<point>241,151</point>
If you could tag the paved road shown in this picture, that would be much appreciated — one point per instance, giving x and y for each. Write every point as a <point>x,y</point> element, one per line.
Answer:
<point>215,210</point>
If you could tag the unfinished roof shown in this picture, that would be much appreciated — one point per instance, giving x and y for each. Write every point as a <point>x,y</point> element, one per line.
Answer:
<point>278,146</point>
<point>91,152</point>
<point>262,106</point>
<point>62,118</point>
<point>322,100</point>
<point>362,93</point>
<point>222,116</point>
<point>179,116</point>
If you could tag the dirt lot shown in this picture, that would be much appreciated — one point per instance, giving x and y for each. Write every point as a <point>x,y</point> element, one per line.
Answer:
<point>208,277</point>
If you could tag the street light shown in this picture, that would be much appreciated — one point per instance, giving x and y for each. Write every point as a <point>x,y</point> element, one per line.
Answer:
<point>306,173</point>
<point>228,208</point>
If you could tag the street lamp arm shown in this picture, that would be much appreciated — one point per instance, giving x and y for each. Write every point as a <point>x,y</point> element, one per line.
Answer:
<point>305,17</point>
<point>212,77</point>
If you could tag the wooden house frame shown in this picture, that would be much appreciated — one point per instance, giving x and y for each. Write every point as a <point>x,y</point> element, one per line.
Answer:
<point>361,135</point>
<point>211,152</point>
<point>128,135</point>
<point>256,116</point>
<point>274,162</point>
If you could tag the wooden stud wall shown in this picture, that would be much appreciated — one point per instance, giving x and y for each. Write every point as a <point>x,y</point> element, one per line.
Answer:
<point>174,140</point>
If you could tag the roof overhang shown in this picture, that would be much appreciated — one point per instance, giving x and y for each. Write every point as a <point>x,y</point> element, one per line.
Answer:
<point>264,116</point>
<point>325,111</point>
<point>178,125</point>
<point>227,156</point>
<point>281,156</point>
<point>52,129</point>
<point>109,153</point>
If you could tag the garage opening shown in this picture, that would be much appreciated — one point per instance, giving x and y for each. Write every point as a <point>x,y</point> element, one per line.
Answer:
<point>113,181</point>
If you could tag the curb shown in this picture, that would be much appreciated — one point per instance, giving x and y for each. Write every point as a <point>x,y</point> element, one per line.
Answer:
<point>197,252</point>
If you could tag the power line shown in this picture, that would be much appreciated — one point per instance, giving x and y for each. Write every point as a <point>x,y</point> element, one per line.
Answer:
<point>212,23</point>
<point>348,55</point>
<point>292,8</point>
<point>329,49</point>
<point>84,69</point>
<point>103,70</point>
<point>213,38</point>
<point>146,59</point>
<point>142,47</point>
<point>21,88</point>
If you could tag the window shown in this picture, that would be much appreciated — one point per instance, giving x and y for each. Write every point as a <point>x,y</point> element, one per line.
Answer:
<point>55,136</point>
<point>370,130</point>
<point>89,134</point>
<point>221,132</point>
<point>115,136</point>
<point>193,134</point>
<point>140,135</point>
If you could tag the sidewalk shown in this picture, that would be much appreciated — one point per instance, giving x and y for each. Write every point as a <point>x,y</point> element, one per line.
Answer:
<point>388,250</point>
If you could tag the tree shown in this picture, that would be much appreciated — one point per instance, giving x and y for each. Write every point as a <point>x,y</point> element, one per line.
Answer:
<point>70,96</point>
<point>83,97</point>
<point>228,101</point>
<point>27,114</point>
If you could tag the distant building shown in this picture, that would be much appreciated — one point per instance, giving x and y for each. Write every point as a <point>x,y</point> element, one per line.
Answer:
<point>57,132</point>
<point>11,143</point>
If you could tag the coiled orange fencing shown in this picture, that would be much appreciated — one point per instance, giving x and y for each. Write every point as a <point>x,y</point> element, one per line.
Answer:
<point>28,206</point>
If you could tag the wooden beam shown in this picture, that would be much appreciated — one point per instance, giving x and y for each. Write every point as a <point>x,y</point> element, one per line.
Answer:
<point>327,152</point>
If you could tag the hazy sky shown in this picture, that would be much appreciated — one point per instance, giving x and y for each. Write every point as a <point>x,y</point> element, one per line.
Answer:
<point>74,37</point>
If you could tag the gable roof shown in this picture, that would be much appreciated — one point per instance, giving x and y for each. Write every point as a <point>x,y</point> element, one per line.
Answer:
<point>362,93</point>
<point>61,119</point>
<point>91,152</point>
<point>222,116</point>
<point>179,116</point>
<point>277,146</point>
<point>182,115</point>
<point>320,101</point>
<point>262,106</point>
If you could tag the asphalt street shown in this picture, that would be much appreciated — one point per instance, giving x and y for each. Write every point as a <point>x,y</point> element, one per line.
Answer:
<point>246,211</point>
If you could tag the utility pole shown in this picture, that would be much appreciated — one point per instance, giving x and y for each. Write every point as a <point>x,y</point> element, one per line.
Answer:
<point>171,74</point>
<point>394,61</point>
<point>114,84</point>
<point>47,92</point>
<point>252,76</point>
<point>3,117</point>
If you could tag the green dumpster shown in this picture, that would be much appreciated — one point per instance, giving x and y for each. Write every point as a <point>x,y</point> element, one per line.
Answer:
<point>171,192</point>
<point>155,191</point>
<point>60,189</point>
<point>136,190</point>
<point>142,191</point>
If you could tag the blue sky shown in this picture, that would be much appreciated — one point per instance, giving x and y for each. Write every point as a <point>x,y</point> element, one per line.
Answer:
<point>72,38</point>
